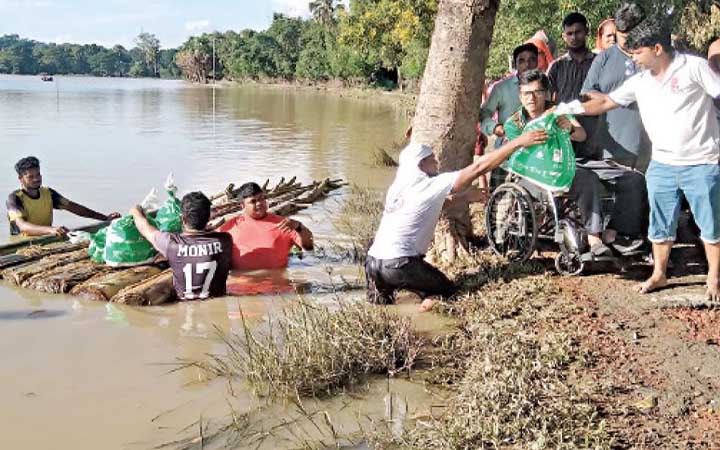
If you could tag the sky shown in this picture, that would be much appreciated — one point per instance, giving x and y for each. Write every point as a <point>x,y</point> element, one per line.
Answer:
<point>111,22</point>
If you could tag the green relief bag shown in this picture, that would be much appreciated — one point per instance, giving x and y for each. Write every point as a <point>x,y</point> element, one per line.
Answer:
<point>125,246</point>
<point>550,165</point>
<point>97,245</point>
<point>169,216</point>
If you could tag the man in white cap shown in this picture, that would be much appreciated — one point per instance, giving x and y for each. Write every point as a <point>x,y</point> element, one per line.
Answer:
<point>412,209</point>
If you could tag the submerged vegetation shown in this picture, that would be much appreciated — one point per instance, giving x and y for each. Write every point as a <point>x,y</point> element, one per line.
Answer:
<point>313,351</point>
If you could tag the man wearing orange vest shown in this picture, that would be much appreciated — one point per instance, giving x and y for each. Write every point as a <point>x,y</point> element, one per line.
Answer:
<point>30,208</point>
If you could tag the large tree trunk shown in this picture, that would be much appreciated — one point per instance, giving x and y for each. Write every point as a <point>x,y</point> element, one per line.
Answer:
<point>450,97</point>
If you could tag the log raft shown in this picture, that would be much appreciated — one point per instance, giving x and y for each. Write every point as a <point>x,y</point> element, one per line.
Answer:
<point>49,265</point>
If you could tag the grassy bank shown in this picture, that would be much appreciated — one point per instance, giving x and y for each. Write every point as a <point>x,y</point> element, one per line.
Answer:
<point>512,364</point>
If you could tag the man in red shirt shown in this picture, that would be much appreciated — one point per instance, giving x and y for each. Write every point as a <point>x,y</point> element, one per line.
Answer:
<point>262,240</point>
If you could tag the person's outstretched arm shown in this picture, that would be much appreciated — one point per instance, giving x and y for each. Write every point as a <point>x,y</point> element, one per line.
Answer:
<point>148,231</point>
<point>492,160</point>
<point>598,103</point>
<point>84,211</point>
<point>30,229</point>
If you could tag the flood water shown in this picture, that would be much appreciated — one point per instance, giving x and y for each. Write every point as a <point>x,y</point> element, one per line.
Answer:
<point>84,375</point>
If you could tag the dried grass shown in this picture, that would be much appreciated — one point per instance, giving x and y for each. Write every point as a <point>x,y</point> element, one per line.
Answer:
<point>509,363</point>
<point>311,350</point>
<point>381,157</point>
<point>358,220</point>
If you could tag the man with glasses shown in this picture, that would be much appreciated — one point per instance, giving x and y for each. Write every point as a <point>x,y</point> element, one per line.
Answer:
<point>621,145</point>
<point>262,240</point>
<point>534,87</point>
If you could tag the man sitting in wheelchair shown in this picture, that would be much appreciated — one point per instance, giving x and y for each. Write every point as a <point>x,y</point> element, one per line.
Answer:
<point>594,179</point>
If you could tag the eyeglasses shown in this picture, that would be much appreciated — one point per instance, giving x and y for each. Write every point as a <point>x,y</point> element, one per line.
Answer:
<point>528,94</point>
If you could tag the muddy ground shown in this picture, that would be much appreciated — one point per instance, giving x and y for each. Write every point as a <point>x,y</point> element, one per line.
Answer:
<point>656,356</point>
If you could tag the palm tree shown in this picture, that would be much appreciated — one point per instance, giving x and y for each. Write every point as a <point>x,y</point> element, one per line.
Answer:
<point>324,10</point>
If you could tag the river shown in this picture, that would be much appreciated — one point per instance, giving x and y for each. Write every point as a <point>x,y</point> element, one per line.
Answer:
<point>85,375</point>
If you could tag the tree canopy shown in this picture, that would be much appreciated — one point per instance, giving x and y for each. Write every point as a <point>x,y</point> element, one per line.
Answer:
<point>29,57</point>
<point>380,42</point>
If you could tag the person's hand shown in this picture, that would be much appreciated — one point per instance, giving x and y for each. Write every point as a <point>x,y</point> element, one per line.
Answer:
<point>112,216</point>
<point>483,140</point>
<point>215,225</point>
<point>530,138</point>
<point>60,231</point>
<point>499,130</point>
<point>592,95</point>
<point>564,123</point>
<point>136,210</point>
<point>408,132</point>
<point>288,225</point>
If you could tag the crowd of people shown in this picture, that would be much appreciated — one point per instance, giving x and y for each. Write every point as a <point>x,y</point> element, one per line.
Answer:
<point>201,256</point>
<point>649,135</point>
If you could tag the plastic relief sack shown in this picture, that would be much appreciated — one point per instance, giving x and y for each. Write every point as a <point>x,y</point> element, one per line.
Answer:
<point>121,244</point>
<point>550,165</point>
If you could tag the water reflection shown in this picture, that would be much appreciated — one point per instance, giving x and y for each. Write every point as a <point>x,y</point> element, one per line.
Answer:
<point>110,141</point>
<point>105,143</point>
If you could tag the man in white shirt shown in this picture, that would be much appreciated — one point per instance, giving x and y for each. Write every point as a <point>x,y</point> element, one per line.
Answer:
<point>412,208</point>
<point>675,96</point>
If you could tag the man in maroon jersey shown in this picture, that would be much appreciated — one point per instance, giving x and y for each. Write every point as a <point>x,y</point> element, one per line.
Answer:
<point>200,259</point>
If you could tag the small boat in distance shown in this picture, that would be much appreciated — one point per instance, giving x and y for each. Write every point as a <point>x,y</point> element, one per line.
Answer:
<point>46,77</point>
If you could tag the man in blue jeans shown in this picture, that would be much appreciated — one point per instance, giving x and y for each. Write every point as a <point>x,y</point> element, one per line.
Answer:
<point>675,95</point>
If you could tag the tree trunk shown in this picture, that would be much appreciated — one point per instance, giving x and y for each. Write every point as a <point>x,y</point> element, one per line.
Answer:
<point>450,98</point>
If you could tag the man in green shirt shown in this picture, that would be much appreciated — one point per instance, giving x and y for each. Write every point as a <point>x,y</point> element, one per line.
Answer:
<point>504,101</point>
<point>504,98</point>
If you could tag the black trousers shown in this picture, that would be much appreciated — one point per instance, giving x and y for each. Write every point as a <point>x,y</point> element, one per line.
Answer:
<point>629,215</point>
<point>385,276</point>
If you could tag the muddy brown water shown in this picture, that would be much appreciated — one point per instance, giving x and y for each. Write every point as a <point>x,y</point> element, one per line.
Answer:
<point>85,375</point>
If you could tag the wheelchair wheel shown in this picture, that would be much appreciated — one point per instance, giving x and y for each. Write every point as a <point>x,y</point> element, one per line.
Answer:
<point>569,264</point>
<point>511,223</point>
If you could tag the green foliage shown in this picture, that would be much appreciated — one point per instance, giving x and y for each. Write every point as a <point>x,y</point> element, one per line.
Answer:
<point>28,57</point>
<point>518,20</point>
<point>313,61</point>
<point>386,31</point>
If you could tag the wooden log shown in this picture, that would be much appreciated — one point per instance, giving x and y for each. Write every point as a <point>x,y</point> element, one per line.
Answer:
<point>153,291</point>
<point>7,261</point>
<point>35,252</point>
<point>39,251</point>
<point>286,209</point>
<point>316,194</point>
<point>104,286</point>
<point>283,195</point>
<point>64,278</point>
<point>15,246</point>
<point>19,274</point>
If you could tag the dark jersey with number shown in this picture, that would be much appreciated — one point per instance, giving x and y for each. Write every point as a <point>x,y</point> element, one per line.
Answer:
<point>200,262</point>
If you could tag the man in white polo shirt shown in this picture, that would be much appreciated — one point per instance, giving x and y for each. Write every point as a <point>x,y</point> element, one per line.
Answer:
<point>396,259</point>
<point>675,96</point>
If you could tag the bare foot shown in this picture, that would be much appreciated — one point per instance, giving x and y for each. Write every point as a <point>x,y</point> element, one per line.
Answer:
<point>713,292</point>
<point>651,284</point>
<point>426,305</point>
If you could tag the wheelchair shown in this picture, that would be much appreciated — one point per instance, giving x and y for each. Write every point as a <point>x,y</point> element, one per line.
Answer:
<point>521,218</point>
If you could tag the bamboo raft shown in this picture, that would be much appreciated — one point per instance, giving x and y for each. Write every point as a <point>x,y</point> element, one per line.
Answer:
<point>48,264</point>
